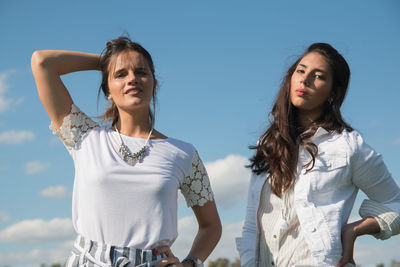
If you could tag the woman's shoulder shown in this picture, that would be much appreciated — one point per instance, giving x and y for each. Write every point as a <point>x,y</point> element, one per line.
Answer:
<point>75,125</point>
<point>355,143</point>
<point>181,145</point>
<point>353,137</point>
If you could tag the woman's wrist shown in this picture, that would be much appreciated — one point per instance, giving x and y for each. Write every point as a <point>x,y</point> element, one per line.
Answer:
<point>193,261</point>
<point>368,225</point>
<point>351,230</point>
<point>187,264</point>
<point>364,226</point>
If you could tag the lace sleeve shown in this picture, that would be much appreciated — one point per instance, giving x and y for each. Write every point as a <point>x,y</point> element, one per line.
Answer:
<point>74,126</point>
<point>196,187</point>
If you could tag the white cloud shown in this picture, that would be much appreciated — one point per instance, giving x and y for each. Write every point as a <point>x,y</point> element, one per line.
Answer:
<point>4,216</point>
<point>5,102</point>
<point>368,252</point>
<point>58,191</point>
<point>226,248</point>
<point>229,179</point>
<point>38,230</point>
<point>37,256</point>
<point>16,137</point>
<point>34,167</point>
<point>3,84</point>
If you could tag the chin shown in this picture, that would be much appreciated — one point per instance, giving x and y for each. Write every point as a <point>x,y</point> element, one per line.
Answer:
<point>299,103</point>
<point>134,107</point>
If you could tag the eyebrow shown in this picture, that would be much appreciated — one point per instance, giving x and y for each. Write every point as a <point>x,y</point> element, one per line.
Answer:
<point>135,68</point>
<point>319,70</point>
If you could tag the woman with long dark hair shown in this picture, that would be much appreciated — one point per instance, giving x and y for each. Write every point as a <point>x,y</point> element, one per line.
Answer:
<point>306,172</point>
<point>127,174</point>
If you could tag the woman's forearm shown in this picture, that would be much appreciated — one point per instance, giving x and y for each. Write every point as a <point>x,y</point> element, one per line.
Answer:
<point>205,241</point>
<point>47,66</point>
<point>351,231</point>
<point>63,62</point>
<point>366,226</point>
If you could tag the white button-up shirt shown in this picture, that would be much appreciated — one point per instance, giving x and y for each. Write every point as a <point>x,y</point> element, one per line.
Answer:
<point>324,196</point>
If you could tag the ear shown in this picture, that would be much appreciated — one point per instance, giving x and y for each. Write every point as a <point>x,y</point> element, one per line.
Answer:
<point>155,87</point>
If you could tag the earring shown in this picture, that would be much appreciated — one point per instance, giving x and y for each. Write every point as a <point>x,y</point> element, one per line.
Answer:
<point>109,97</point>
<point>330,100</point>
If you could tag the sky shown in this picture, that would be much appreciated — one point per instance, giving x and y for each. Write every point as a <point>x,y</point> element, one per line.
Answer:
<point>219,65</point>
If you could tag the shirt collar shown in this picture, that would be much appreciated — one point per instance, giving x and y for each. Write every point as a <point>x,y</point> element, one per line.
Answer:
<point>319,133</point>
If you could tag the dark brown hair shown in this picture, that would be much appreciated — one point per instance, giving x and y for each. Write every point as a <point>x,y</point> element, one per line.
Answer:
<point>277,149</point>
<point>113,48</point>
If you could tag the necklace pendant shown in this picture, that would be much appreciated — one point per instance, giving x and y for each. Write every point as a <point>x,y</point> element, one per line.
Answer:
<point>283,224</point>
<point>131,161</point>
<point>130,158</point>
<point>134,158</point>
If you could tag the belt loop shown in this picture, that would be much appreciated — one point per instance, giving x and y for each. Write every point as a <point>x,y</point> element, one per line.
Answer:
<point>86,248</point>
<point>132,255</point>
<point>109,254</point>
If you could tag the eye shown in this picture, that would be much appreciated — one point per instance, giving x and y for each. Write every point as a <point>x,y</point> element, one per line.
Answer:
<point>120,74</point>
<point>140,72</point>
<point>300,71</point>
<point>319,76</point>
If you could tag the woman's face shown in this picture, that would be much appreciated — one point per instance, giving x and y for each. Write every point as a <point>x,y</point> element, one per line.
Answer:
<point>130,81</point>
<point>311,84</point>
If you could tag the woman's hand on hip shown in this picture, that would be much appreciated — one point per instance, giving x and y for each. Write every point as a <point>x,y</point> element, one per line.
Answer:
<point>365,226</point>
<point>170,260</point>
<point>349,236</point>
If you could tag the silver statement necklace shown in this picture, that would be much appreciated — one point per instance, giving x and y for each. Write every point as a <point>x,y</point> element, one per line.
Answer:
<point>127,156</point>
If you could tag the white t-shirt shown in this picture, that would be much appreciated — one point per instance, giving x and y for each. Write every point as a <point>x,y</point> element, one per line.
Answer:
<point>129,206</point>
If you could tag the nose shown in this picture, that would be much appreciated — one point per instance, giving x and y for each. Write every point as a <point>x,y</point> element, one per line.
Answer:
<point>132,79</point>
<point>305,79</point>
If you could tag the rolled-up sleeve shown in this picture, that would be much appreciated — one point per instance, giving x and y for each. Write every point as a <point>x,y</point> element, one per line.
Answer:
<point>371,175</point>
<point>246,245</point>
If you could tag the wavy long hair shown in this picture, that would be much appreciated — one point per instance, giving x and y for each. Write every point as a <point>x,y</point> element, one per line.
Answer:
<point>113,48</point>
<point>278,147</point>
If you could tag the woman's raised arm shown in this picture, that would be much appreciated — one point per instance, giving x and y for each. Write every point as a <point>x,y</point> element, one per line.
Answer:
<point>47,66</point>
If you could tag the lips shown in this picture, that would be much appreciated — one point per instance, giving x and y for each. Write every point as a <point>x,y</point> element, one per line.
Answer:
<point>133,91</point>
<point>300,92</point>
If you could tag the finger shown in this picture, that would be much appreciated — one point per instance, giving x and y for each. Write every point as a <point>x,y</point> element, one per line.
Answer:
<point>166,250</point>
<point>342,262</point>
<point>170,261</point>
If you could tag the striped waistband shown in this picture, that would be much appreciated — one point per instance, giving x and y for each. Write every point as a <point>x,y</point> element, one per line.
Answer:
<point>93,254</point>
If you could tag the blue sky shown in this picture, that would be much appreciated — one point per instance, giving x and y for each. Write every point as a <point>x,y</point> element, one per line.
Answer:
<point>219,65</point>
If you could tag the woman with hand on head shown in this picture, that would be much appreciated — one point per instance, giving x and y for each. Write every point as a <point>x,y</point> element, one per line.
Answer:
<point>126,175</point>
<point>307,169</point>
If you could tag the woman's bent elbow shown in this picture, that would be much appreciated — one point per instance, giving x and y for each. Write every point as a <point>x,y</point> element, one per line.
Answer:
<point>218,230</point>
<point>38,59</point>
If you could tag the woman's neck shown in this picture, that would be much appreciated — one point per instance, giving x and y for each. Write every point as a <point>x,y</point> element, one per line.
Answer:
<point>134,125</point>
<point>306,118</point>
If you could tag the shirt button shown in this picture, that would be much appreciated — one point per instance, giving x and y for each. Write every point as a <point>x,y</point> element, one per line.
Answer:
<point>272,263</point>
<point>274,236</point>
<point>313,230</point>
